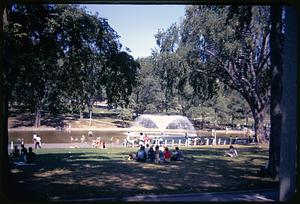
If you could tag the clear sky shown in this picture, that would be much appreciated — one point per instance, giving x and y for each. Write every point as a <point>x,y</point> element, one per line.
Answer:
<point>137,24</point>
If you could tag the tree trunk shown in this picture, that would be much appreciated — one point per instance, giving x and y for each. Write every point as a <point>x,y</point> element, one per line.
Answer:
<point>81,114</point>
<point>37,117</point>
<point>246,118</point>
<point>91,113</point>
<point>90,108</point>
<point>137,110</point>
<point>258,116</point>
<point>5,172</point>
<point>276,50</point>
<point>289,150</point>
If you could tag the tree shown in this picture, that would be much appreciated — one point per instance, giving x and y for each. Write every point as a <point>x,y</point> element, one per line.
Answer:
<point>125,114</point>
<point>31,57</point>
<point>237,54</point>
<point>5,171</point>
<point>120,78</point>
<point>58,57</point>
<point>276,47</point>
<point>165,64</point>
<point>147,95</point>
<point>87,42</point>
<point>175,74</point>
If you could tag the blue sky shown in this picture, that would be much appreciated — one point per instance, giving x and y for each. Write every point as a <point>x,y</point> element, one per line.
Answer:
<point>137,24</point>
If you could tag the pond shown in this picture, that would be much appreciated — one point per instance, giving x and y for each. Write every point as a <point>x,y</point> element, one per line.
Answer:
<point>56,136</point>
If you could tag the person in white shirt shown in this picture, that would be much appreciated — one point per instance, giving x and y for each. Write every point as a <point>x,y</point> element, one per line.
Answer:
<point>231,152</point>
<point>34,139</point>
<point>38,142</point>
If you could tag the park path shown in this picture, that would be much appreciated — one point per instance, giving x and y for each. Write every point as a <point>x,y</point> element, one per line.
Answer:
<point>259,195</point>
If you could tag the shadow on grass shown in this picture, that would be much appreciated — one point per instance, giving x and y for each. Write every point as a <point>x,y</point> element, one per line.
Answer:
<point>94,174</point>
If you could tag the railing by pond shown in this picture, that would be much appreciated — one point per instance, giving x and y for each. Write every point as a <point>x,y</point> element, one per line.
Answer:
<point>188,142</point>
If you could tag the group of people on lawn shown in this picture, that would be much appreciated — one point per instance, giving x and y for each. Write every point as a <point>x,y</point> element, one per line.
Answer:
<point>156,155</point>
<point>24,155</point>
<point>27,156</point>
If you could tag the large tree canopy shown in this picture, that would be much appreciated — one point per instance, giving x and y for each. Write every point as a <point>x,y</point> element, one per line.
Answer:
<point>59,56</point>
<point>220,47</point>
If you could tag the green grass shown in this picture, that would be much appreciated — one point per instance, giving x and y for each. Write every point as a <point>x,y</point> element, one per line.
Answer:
<point>86,173</point>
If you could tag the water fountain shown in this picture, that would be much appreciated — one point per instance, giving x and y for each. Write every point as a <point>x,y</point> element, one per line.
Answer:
<point>167,125</point>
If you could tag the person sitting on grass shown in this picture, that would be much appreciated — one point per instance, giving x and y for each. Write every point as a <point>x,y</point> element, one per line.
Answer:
<point>23,153</point>
<point>132,157</point>
<point>16,152</point>
<point>159,156</point>
<point>231,152</point>
<point>151,154</point>
<point>167,155</point>
<point>147,148</point>
<point>177,155</point>
<point>31,156</point>
<point>141,155</point>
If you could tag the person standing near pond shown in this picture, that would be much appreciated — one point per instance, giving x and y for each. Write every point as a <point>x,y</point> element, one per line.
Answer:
<point>34,139</point>
<point>38,142</point>
<point>146,139</point>
<point>141,139</point>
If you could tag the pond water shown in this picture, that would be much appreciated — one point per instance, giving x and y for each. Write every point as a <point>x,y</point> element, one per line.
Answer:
<point>56,136</point>
<point>63,136</point>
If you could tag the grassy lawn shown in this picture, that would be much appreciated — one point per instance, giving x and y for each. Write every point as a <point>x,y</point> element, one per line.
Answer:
<point>85,173</point>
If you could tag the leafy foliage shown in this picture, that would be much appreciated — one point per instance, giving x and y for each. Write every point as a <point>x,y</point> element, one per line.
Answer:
<point>60,57</point>
<point>231,44</point>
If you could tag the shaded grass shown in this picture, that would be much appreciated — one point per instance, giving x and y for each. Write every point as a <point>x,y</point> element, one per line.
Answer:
<point>84,173</point>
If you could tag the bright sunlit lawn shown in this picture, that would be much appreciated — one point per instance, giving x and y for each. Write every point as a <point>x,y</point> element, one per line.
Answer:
<point>88,173</point>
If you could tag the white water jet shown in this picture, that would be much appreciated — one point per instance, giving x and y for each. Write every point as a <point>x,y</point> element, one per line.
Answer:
<point>171,124</point>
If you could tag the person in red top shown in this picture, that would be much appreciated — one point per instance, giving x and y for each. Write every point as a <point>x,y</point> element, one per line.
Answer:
<point>146,139</point>
<point>167,155</point>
